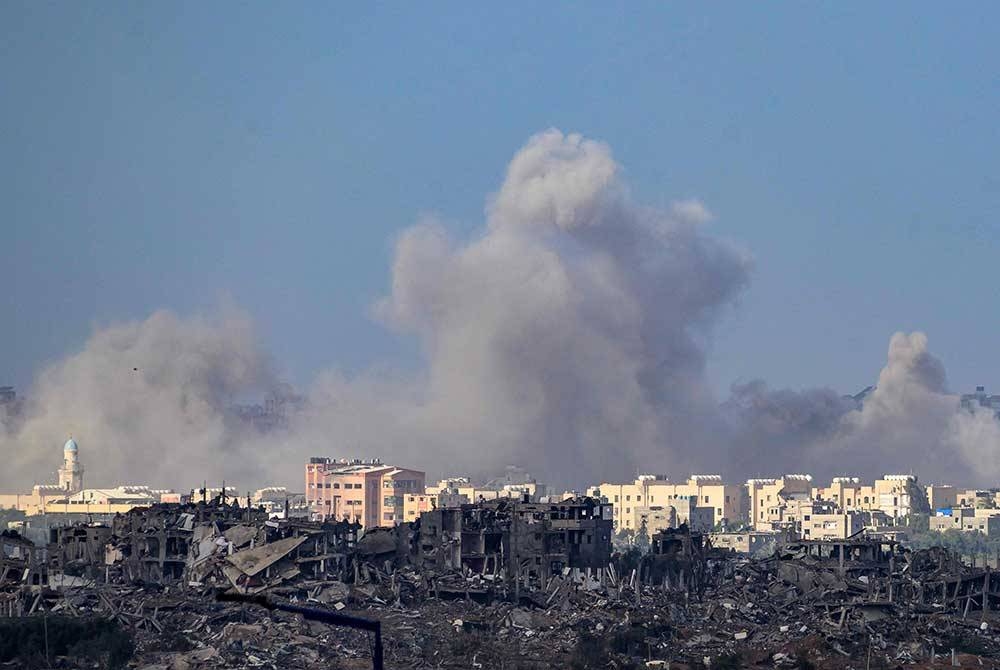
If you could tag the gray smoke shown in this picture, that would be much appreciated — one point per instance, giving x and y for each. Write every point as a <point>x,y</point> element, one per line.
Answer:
<point>909,423</point>
<point>568,336</point>
<point>147,401</point>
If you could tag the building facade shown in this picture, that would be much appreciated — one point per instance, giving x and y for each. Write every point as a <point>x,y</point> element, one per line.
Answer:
<point>767,498</point>
<point>368,492</point>
<point>702,501</point>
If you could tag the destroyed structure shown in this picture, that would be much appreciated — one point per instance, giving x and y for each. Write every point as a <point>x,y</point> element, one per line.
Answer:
<point>529,542</point>
<point>223,544</point>
<point>502,584</point>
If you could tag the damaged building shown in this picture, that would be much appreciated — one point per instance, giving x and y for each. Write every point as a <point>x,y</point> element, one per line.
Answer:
<point>528,540</point>
<point>20,561</point>
<point>78,550</point>
<point>220,544</point>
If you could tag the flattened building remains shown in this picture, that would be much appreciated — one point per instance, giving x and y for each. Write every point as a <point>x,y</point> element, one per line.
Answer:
<point>532,579</point>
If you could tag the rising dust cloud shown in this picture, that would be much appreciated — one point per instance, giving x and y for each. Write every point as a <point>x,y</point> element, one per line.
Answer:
<point>568,337</point>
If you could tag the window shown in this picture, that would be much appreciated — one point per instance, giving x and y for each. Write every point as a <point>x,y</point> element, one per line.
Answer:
<point>718,510</point>
<point>706,498</point>
<point>727,500</point>
<point>616,498</point>
<point>805,518</point>
<point>387,516</point>
<point>327,485</point>
<point>628,510</point>
<point>650,498</point>
<point>628,497</point>
<point>768,497</point>
<point>336,485</point>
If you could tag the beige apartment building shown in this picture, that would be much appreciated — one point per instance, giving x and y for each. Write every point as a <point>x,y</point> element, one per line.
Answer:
<point>366,491</point>
<point>768,497</point>
<point>702,501</point>
<point>781,502</point>
<point>454,491</point>
<point>831,525</point>
<point>976,498</point>
<point>415,504</point>
<point>968,519</point>
<point>941,496</point>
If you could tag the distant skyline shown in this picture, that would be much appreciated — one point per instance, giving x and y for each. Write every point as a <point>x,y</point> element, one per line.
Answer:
<point>181,156</point>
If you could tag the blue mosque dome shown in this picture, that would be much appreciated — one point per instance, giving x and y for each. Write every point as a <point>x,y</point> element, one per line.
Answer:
<point>70,446</point>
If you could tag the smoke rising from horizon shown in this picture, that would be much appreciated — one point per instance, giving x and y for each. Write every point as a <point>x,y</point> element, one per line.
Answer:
<point>569,337</point>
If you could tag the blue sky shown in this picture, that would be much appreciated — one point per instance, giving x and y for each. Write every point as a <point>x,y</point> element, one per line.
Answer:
<point>175,155</point>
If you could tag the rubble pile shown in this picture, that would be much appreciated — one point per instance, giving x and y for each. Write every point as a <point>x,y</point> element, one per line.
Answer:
<point>506,586</point>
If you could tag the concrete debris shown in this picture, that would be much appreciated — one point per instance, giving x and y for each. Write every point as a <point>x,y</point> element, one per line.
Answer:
<point>463,589</point>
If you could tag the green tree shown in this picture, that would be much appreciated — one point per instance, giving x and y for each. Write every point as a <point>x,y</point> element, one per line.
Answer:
<point>641,539</point>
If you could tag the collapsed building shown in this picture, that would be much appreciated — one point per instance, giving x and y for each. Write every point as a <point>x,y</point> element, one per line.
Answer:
<point>78,550</point>
<point>19,561</point>
<point>507,579</point>
<point>678,559</point>
<point>526,541</point>
<point>221,544</point>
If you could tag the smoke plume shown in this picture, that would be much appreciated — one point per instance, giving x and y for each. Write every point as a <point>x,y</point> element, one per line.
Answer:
<point>908,423</point>
<point>147,400</point>
<point>568,336</point>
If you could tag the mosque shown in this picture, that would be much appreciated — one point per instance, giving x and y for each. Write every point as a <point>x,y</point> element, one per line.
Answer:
<point>71,473</point>
<point>70,497</point>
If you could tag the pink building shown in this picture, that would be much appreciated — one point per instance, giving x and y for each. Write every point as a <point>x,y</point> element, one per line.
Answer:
<point>369,492</point>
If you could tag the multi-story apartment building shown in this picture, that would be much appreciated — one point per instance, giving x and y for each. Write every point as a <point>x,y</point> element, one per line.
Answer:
<point>415,504</point>
<point>455,491</point>
<point>889,499</point>
<point>968,519</point>
<point>366,491</point>
<point>830,525</point>
<point>702,501</point>
<point>941,496</point>
<point>767,498</point>
<point>898,496</point>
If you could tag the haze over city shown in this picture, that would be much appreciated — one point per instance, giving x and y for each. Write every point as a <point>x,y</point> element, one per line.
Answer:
<point>591,244</point>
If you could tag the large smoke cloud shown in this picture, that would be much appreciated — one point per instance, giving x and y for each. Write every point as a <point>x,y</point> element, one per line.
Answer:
<point>147,400</point>
<point>568,336</point>
<point>909,422</point>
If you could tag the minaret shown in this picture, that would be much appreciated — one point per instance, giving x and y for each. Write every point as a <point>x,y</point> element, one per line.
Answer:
<point>71,473</point>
